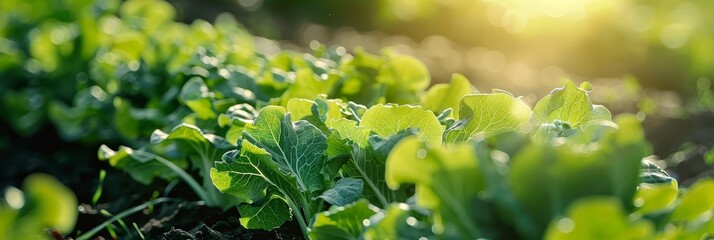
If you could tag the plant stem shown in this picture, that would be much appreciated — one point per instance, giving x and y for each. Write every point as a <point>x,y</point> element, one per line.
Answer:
<point>186,178</point>
<point>299,215</point>
<point>125,213</point>
<point>374,188</point>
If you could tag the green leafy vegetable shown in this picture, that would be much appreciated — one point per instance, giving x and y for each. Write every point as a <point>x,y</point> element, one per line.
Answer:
<point>487,114</point>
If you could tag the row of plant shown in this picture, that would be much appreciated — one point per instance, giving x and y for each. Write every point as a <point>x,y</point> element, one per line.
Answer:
<point>347,145</point>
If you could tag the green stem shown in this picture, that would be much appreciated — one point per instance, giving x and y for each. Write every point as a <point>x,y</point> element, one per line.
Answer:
<point>186,178</point>
<point>299,215</point>
<point>374,188</point>
<point>123,214</point>
<point>212,199</point>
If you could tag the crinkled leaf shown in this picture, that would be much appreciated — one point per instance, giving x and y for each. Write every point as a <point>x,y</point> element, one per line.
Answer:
<point>345,129</point>
<point>250,173</point>
<point>342,222</point>
<point>487,114</point>
<point>297,148</point>
<point>386,120</point>
<point>345,191</point>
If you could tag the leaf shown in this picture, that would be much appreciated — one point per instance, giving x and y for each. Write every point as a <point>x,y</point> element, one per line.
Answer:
<point>138,163</point>
<point>236,117</point>
<point>346,129</point>
<point>342,222</point>
<point>250,174</point>
<point>697,200</point>
<point>307,86</point>
<point>191,134</point>
<point>442,96</point>
<point>598,218</point>
<point>386,120</point>
<point>298,148</point>
<point>570,104</point>
<point>124,122</point>
<point>447,181</point>
<point>268,214</point>
<point>547,177</point>
<point>43,203</point>
<point>651,197</point>
<point>398,221</point>
<point>198,98</point>
<point>405,77</point>
<point>52,203</point>
<point>345,191</point>
<point>487,114</point>
<point>651,173</point>
<point>320,112</point>
<point>368,164</point>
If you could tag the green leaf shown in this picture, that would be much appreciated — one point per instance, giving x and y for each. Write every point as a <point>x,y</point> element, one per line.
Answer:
<point>269,214</point>
<point>138,163</point>
<point>546,177</point>
<point>24,110</point>
<point>399,221</point>
<point>198,98</point>
<point>405,77</point>
<point>124,122</point>
<point>342,222</point>
<point>307,86</point>
<point>53,204</point>
<point>651,173</point>
<point>570,104</point>
<point>651,198</point>
<point>368,164</point>
<point>251,174</point>
<point>346,129</point>
<point>487,114</point>
<point>387,120</point>
<point>191,134</point>
<point>298,148</point>
<point>43,203</point>
<point>239,175</point>
<point>598,218</point>
<point>345,191</point>
<point>697,200</point>
<point>320,112</point>
<point>442,96</point>
<point>447,181</point>
<point>709,157</point>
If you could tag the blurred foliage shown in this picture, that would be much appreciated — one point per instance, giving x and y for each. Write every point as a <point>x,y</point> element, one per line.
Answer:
<point>666,45</point>
<point>42,203</point>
